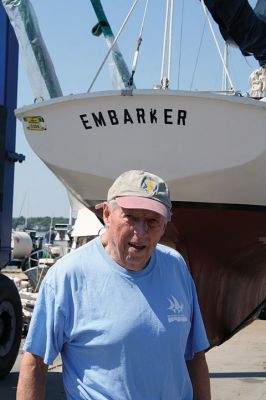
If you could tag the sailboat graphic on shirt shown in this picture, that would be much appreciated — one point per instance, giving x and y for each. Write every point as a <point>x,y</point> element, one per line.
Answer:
<point>177,310</point>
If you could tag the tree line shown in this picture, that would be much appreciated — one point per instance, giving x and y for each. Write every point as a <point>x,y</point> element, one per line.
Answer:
<point>41,223</point>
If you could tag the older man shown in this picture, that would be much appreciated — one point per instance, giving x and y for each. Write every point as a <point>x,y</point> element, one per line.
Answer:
<point>122,310</point>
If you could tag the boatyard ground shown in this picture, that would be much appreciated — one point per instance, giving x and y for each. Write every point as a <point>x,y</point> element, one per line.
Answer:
<point>237,369</point>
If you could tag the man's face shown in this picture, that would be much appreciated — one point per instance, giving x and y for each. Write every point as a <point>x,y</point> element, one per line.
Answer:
<point>131,235</point>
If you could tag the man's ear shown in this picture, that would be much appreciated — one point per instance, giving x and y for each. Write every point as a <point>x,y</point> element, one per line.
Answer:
<point>164,229</point>
<point>106,213</point>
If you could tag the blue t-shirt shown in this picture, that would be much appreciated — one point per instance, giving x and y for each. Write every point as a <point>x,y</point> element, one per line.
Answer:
<point>122,335</point>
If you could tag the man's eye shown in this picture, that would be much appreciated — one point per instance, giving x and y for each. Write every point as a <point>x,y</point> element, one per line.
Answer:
<point>129,217</point>
<point>153,223</point>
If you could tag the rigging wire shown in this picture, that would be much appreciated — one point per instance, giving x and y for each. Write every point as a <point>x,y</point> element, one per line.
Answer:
<point>217,45</point>
<point>224,78</point>
<point>170,40</point>
<point>164,40</point>
<point>180,47</point>
<point>139,41</point>
<point>168,33</point>
<point>197,58</point>
<point>113,44</point>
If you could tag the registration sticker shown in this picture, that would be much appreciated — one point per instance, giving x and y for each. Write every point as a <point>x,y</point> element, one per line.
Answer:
<point>35,123</point>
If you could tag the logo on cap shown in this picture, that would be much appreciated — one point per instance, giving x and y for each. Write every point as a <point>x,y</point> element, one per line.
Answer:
<point>149,186</point>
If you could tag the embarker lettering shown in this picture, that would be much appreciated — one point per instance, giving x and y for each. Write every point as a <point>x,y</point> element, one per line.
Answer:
<point>166,116</point>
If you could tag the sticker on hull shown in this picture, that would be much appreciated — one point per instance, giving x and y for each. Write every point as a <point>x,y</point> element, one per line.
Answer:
<point>35,123</point>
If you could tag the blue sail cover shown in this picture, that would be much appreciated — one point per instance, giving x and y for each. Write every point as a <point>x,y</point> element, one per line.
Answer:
<point>239,22</point>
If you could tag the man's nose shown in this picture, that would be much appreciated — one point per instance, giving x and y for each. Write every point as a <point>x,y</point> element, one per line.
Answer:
<point>141,228</point>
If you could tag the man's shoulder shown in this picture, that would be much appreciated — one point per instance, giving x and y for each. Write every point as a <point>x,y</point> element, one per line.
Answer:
<point>168,256</point>
<point>74,261</point>
<point>167,251</point>
<point>79,251</point>
<point>91,246</point>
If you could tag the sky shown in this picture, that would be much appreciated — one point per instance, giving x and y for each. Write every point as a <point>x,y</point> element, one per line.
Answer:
<point>77,55</point>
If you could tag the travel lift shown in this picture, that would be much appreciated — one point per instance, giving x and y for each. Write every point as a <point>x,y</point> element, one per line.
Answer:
<point>10,305</point>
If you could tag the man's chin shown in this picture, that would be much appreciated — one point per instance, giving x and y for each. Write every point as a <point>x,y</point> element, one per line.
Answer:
<point>137,265</point>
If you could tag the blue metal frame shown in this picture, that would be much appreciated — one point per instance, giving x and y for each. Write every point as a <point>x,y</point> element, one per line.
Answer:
<point>8,102</point>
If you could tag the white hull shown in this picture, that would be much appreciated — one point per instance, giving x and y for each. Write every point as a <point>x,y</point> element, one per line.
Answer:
<point>210,148</point>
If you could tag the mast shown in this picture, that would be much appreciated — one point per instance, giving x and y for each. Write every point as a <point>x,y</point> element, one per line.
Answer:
<point>103,27</point>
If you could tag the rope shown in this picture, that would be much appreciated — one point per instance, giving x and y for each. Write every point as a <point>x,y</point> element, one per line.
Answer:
<point>217,45</point>
<point>139,41</point>
<point>113,44</point>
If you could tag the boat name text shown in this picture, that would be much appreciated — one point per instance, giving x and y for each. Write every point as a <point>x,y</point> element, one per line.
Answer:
<point>168,116</point>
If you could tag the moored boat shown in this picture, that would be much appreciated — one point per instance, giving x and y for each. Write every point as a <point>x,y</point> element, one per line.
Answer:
<point>210,148</point>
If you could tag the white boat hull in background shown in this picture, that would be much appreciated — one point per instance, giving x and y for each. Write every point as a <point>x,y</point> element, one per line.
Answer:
<point>210,148</point>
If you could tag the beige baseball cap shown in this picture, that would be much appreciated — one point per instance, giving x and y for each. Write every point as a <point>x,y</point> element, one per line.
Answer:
<point>141,190</point>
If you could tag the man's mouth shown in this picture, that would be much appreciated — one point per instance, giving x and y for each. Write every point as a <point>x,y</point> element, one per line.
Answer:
<point>136,246</point>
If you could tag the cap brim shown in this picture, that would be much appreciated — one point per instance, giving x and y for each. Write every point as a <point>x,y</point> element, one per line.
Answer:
<point>99,205</point>
<point>144,203</point>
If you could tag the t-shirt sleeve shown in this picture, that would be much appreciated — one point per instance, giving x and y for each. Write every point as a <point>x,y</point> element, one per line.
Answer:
<point>197,339</point>
<point>45,337</point>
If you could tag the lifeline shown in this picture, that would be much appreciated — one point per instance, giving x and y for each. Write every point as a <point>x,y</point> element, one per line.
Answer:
<point>167,116</point>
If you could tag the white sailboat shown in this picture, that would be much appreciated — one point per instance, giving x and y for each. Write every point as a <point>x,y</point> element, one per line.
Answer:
<point>209,147</point>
